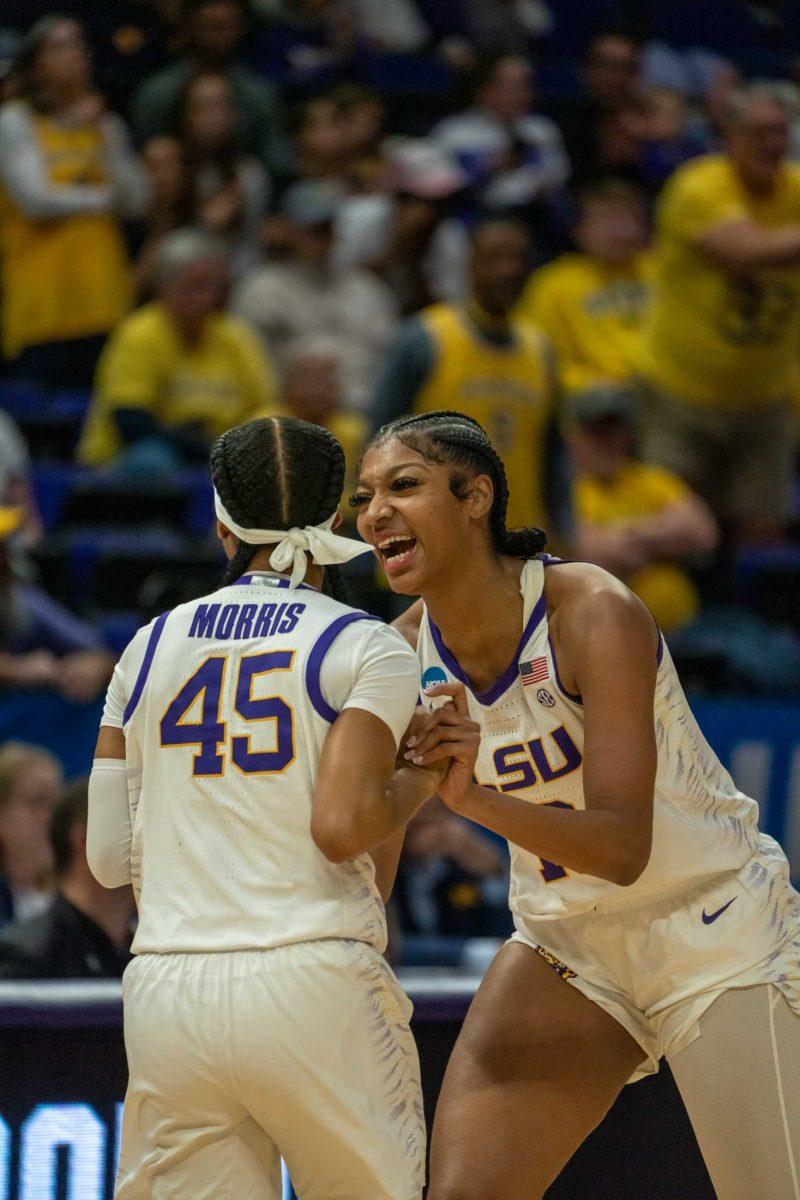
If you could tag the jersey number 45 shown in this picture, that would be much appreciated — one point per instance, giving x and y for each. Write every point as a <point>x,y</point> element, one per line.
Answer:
<point>193,718</point>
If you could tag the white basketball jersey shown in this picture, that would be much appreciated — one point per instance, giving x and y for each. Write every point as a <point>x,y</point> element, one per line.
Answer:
<point>532,745</point>
<point>225,703</point>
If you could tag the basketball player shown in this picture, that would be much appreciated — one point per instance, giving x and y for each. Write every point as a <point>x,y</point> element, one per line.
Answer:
<point>245,783</point>
<point>651,916</point>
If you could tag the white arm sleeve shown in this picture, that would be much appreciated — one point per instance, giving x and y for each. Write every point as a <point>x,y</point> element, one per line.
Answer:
<point>108,833</point>
<point>23,173</point>
<point>386,681</point>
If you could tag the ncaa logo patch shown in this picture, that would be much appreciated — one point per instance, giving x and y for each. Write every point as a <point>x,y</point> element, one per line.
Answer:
<point>432,677</point>
<point>546,698</point>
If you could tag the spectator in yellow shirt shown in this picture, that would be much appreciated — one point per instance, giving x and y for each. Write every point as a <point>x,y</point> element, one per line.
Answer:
<point>477,358</point>
<point>178,372</point>
<point>639,521</point>
<point>67,176</point>
<point>719,349</point>
<point>591,303</point>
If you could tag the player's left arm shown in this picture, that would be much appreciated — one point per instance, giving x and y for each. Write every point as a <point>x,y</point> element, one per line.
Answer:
<point>613,661</point>
<point>363,798</point>
<point>108,831</point>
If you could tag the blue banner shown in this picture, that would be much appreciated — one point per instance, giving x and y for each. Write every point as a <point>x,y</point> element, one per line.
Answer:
<point>759,742</point>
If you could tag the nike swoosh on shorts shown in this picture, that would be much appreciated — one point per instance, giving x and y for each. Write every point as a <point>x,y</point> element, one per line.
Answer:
<point>710,918</point>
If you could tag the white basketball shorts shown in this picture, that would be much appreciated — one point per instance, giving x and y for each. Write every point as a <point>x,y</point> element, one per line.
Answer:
<point>237,1059</point>
<point>656,966</point>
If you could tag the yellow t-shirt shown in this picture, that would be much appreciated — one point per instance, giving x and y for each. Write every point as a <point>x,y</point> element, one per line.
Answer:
<point>220,382</point>
<point>66,277</point>
<point>592,313</point>
<point>639,490</point>
<point>711,337</point>
<point>509,390</point>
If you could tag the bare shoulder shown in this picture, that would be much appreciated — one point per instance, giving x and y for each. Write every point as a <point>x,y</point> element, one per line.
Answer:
<point>585,603</point>
<point>408,623</point>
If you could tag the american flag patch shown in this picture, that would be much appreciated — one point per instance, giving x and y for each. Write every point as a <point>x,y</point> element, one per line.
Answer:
<point>534,671</point>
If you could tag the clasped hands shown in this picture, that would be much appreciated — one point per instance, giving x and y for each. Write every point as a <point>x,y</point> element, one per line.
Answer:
<point>445,742</point>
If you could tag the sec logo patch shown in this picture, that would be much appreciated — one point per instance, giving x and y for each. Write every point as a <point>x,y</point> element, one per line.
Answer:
<point>546,698</point>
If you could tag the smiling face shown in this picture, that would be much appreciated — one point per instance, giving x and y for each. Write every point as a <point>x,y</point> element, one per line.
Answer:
<point>407,510</point>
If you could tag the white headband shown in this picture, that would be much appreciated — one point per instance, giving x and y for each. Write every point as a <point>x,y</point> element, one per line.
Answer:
<point>324,546</point>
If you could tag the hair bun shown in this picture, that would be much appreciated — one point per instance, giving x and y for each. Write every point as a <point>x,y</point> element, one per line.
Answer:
<point>525,542</point>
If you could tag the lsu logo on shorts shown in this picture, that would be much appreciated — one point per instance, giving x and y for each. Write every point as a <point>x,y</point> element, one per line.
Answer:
<point>558,966</point>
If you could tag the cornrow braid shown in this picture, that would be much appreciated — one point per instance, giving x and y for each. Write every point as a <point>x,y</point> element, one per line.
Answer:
<point>453,437</point>
<point>277,473</point>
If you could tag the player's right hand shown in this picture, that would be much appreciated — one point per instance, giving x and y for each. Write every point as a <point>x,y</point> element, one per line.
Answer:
<point>448,736</point>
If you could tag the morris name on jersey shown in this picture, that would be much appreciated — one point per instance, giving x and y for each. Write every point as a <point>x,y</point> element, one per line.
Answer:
<point>238,622</point>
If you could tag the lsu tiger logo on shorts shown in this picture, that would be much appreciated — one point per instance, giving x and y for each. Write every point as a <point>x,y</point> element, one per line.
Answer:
<point>558,966</point>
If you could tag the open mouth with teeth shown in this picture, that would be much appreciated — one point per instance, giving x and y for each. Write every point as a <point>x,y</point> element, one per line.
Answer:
<point>396,553</point>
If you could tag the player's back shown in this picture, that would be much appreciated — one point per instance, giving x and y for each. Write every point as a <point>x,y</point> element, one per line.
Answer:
<point>228,703</point>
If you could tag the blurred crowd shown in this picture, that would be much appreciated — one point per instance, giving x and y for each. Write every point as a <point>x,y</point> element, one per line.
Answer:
<point>567,219</point>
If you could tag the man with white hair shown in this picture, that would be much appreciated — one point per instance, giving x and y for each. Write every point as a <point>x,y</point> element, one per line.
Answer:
<point>719,350</point>
<point>177,372</point>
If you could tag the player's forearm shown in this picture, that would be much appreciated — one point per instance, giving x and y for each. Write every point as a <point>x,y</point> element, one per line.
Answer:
<point>372,819</point>
<point>407,791</point>
<point>602,842</point>
<point>108,831</point>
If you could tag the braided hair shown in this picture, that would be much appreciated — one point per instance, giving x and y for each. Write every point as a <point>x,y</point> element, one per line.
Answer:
<point>453,437</point>
<point>278,473</point>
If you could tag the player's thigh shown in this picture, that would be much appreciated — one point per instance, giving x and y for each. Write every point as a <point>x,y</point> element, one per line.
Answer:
<point>740,1082</point>
<point>345,1101</point>
<point>184,1133</point>
<point>536,1067</point>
